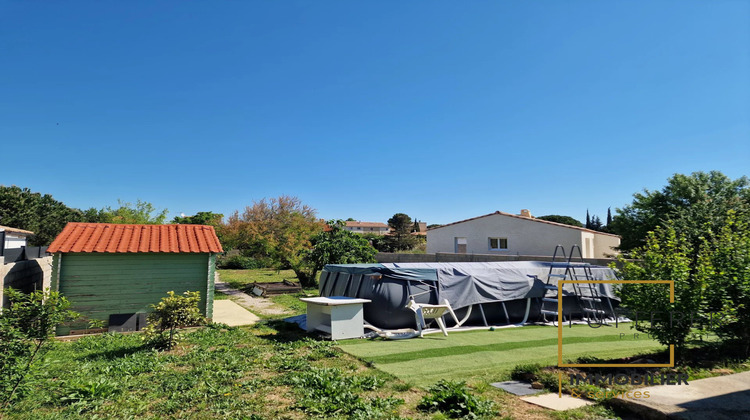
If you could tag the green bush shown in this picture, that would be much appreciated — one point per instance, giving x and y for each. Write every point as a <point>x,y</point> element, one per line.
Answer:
<point>87,393</point>
<point>26,327</point>
<point>549,380</point>
<point>456,401</point>
<point>171,313</point>
<point>727,297</point>
<point>526,372</point>
<point>239,262</point>
<point>326,392</point>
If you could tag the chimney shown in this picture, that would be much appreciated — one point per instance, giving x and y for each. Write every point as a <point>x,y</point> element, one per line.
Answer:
<point>526,213</point>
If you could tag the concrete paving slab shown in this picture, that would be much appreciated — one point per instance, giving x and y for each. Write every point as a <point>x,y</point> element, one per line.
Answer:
<point>517,387</point>
<point>718,398</point>
<point>555,402</point>
<point>232,314</point>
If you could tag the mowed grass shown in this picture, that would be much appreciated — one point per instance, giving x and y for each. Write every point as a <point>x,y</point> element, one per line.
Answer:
<point>488,356</point>
<point>239,279</point>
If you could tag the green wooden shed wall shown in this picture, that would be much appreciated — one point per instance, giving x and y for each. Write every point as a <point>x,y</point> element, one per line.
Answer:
<point>99,269</point>
<point>99,285</point>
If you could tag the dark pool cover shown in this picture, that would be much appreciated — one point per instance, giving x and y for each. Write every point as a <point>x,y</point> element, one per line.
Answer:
<point>463,284</point>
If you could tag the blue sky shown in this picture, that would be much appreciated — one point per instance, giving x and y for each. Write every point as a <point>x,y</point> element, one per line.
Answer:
<point>443,110</point>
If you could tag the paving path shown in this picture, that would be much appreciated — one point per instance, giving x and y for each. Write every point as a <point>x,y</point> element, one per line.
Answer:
<point>718,398</point>
<point>258,305</point>
<point>232,314</point>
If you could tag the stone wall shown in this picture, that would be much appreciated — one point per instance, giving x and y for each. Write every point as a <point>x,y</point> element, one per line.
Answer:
<point>27,276</point>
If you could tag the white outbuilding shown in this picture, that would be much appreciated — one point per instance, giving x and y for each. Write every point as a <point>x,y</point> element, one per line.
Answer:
<point>12,238</point>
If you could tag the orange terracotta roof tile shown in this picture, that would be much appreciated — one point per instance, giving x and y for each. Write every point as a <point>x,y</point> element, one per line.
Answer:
<point>110,237</point>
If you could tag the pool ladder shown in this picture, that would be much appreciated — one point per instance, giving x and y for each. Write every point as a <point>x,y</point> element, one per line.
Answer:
<point>586,294</point>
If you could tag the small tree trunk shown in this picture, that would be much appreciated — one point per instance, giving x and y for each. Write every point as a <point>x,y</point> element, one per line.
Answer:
<point>306,279</point>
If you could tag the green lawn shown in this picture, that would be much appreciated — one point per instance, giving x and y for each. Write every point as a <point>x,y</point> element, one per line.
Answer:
<point>268,371</point>
<point>239,279</point>
<point>488,356</point>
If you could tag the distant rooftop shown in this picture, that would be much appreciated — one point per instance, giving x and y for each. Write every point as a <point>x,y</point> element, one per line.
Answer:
<point>366,224</point>
<point>529,218</point>
<point>14,230</point>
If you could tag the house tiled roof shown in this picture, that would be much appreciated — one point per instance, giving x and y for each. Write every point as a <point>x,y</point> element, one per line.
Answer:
<point>14,230</point>
<point>366,224</point>
<point>529,219</point>
<point>116,238</point>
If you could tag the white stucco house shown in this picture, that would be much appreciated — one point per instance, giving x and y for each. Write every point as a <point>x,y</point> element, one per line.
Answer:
<point>13,238</point>
<point>502,233</point>
<point>367,227</point>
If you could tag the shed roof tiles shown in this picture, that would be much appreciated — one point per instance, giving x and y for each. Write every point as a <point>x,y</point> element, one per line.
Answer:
<point>117,238</point>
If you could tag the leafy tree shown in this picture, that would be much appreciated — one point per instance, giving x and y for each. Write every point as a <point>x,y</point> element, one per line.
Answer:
<point>400,223</point>
<point>26,326</point>
<point>140,213</point>
<point>609,216</point>
<point>401,236</point>
<point>382,243</point>
<point>566,220</point>
<point>667,255</point>
<point>338,246</point>
<point>415,227</point>
<point>46,217</point>
<point>596,224</point>
<point>171,313</point>
<point>690,201</point>
<point>351,219</point>
<point>278,229</point>
<point>206,218</point>
<point>727,296</point>
<point>201,218</point>
<point>93,215</point>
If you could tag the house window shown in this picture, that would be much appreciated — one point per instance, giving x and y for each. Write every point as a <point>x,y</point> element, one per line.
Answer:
<point>498,244</point>
<point>460,245</point>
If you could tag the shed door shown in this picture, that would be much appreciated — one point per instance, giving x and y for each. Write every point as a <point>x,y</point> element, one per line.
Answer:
<point>101,284</point>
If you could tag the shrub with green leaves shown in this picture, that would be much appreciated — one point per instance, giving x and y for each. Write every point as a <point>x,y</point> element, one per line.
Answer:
<point>240,262</point>
<point>526,372</point>
<point>712,283</point>
<point>667,255</point>
<point>326,392</point>
<point>727,297</point>
<point>173,312</point>
<point>456,401</point>
<point>26,326</point>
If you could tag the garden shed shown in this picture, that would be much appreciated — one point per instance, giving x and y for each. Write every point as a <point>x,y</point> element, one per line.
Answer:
<point>113,273</point>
